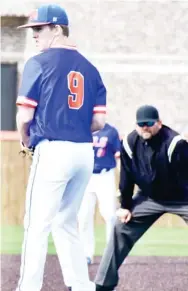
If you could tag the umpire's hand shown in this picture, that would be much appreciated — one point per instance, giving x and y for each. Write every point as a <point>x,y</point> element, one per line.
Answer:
<point>124,215</point>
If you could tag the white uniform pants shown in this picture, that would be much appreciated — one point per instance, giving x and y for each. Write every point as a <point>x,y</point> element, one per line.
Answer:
<point>102,187</point>
<point>59,175</point>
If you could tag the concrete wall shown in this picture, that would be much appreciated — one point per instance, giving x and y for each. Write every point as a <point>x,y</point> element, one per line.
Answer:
<point>140,48</point>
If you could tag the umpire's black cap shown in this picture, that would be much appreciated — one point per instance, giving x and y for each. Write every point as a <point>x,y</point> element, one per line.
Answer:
<point>147,113</point>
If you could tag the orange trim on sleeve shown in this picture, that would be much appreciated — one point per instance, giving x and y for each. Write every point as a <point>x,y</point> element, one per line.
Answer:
<point>117,155</point>
<point>104,112</point>
<point>99,109</point>
<point>25,105</point>
<point>23,100</point>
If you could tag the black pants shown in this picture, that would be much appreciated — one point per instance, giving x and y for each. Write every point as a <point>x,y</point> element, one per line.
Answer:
<point>144,213</point>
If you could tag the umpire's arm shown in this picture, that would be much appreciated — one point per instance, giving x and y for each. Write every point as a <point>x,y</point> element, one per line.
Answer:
<point>126,184</point>
<point>180,163</point>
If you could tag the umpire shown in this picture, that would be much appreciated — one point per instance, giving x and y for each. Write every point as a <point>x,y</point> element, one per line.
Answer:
<point>154,157</point>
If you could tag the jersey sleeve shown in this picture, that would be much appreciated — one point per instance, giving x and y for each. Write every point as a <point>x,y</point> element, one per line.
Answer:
<point>116,144</point>
<point>30,85</point>
<point>100,102</point>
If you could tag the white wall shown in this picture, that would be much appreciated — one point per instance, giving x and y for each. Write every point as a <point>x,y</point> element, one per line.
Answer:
<point>140,48</point>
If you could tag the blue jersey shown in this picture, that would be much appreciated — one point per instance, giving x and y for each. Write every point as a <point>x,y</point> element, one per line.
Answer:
<point>106,147</point>
<point>66,90</point>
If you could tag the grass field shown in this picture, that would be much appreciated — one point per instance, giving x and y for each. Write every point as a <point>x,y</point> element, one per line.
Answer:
<point>158,241</point>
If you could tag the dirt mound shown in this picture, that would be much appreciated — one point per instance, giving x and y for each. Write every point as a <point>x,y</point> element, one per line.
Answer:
<point>137,274</point>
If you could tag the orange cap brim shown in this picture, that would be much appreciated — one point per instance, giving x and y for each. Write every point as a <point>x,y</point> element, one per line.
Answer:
<point>33,24</point>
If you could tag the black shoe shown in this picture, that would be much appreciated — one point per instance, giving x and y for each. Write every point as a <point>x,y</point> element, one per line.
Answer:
<point>103,288</point>
<point>69,288</point>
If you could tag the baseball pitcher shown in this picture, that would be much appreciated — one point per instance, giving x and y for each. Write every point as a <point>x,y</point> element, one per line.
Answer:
<point>61,100</point>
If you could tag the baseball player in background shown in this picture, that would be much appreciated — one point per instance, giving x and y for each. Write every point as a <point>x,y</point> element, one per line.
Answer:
<point>61,100</point>
<point>102,187</point>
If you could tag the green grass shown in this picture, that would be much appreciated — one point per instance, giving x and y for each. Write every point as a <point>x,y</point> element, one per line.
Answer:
<point>158,241</point>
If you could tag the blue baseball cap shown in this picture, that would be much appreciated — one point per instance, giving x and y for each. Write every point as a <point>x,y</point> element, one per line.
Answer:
<point>47,14</point>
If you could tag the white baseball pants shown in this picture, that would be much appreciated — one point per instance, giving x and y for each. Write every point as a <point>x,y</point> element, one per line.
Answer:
<point>102,187</point>
<point>59,175</point>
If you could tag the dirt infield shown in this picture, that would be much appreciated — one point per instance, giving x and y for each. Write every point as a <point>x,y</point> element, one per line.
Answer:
<point>138,274</point>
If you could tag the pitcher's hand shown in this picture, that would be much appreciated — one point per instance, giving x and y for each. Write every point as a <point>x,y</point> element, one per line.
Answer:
<point>124,215</point>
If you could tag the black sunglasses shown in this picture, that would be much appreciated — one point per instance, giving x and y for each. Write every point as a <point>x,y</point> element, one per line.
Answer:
<point>146,123</point>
